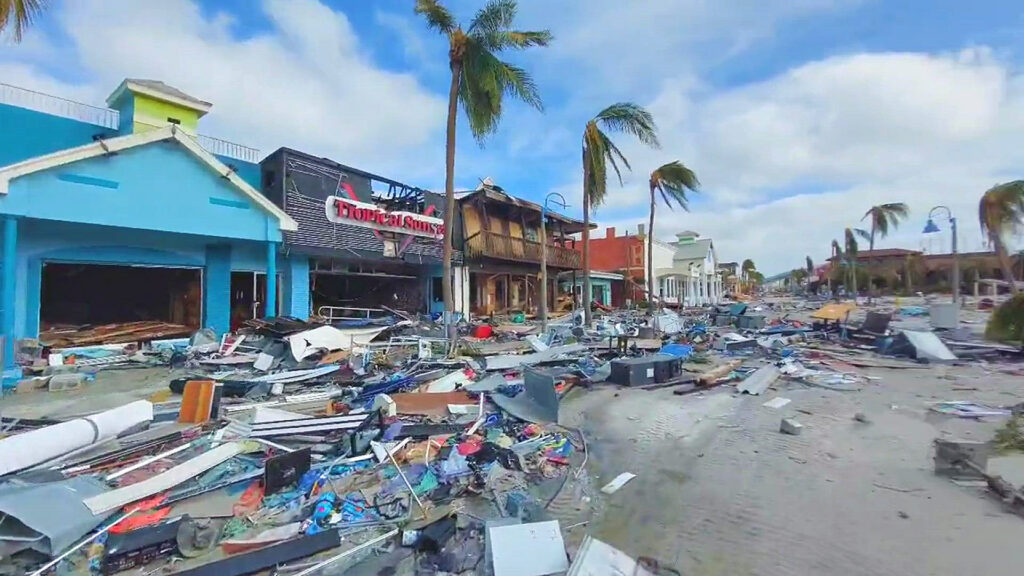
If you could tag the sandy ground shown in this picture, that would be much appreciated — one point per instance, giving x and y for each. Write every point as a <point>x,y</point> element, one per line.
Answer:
<point>721,491</point>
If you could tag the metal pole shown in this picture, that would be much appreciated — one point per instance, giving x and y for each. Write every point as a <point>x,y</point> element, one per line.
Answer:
<point>956,263</point>
<point>543,268</point>
<point>560,202</point>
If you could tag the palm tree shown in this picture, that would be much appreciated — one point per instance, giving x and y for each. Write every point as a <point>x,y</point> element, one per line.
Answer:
<point>882,218</point>
<point>851,256</point>
<point>747,270</point>
<point>18,14</point>
<point>672,180</point>
<point>598,152</point>
<point>479,82</point>
<point>836,259</point>
<point>1001,213</point>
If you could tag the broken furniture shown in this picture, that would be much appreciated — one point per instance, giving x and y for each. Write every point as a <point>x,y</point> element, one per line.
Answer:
<point>875,326</point>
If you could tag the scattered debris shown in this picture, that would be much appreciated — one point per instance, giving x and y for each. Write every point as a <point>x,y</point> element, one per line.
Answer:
<point>791,426</point>
<point>618,482</point>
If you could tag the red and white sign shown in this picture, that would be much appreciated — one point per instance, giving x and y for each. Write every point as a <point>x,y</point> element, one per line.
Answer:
<point>346,211</point>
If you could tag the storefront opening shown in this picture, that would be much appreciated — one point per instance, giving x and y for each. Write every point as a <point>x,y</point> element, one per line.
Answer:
<point>367,291</point>
<point>96,294</point>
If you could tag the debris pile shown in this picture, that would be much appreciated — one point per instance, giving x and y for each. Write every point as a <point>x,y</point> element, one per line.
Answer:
<point>300,446</point>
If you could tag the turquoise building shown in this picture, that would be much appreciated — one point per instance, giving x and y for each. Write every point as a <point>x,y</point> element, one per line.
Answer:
<point>126,213</point>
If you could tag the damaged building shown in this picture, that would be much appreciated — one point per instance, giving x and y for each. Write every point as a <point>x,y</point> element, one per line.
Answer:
<point>371,243</point>
<point>126,222</point>
<point>501,239</point>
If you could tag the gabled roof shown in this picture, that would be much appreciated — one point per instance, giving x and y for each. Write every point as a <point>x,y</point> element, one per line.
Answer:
<point>160,91</point>
<point>697,250</point>
<point>112,145</point>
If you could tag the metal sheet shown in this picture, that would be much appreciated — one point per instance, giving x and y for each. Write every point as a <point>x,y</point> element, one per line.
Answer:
<point>185,471</point>
<point>759,381</point>
<point>553,353</point>
<point>928,346</point>
<point>47,517</point>
<point>538,402</point>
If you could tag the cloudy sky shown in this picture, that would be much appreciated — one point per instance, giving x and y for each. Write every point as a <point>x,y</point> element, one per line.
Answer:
<point>797,115</point>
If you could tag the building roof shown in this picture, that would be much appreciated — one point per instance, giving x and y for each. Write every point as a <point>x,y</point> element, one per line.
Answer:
<point>884,253</point>
<point>687,234</point>
<point>694,251</point>
<point>114,145</point>
<point>161,91</point>
<point>496,194</point>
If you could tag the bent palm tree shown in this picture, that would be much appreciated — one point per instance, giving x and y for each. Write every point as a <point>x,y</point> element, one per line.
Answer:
<point>851,255</point>
<point>598,152</point>
<point>18,14</point>
<point>672,180</point>
<point>1001,213</point>
<point>883,217</point>
<point>479,82</point>
<point>836,261</point>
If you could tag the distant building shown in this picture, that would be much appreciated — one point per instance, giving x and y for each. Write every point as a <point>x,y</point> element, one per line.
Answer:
<point>693,279</point>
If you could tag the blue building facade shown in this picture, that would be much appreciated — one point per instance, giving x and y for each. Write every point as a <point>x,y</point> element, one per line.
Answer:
<point>107,219</point>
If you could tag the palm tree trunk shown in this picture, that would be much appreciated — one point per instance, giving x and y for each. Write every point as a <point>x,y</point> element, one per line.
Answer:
<point>587,316</point>
<point>650,259</point>
<point>1004,262</point>
<point>871,248</point>
<point>449,197</point>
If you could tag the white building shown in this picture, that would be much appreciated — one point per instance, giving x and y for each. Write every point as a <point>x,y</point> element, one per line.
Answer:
<point>692,278</point>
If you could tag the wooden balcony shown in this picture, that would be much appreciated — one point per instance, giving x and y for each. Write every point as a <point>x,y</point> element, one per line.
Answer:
<point>491,245</point>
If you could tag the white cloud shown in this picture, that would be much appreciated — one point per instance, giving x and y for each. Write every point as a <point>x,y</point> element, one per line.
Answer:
<point>307,82</point>
<point>863,129</point>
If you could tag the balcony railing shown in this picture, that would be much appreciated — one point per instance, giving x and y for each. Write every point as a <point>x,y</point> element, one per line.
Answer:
<point>47,104</point>
<point>491,245</point>
<point>229,149</point>
<point>108,118</point>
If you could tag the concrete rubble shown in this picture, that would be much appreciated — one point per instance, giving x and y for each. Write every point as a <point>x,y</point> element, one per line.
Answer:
<point>315,447</point>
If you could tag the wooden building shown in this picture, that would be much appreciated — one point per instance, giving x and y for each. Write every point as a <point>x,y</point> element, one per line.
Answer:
<point>501,240</point>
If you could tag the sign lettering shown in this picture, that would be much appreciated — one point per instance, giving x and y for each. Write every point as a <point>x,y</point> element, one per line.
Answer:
<point>345,211</point>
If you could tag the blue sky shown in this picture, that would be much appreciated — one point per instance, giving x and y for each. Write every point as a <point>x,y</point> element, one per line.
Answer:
<point>796,114</point>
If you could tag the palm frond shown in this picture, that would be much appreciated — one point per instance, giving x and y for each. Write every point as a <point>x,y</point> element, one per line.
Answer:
<point>631,119</point>
<point>673,180</point>
<point>495,16</point>
<point>612,153</point>
<point>885,216</point>
<point>485,81</point>
<point>864,234</point>
<point>1001,208</point>
<point>18,15</point>
<point>438,17</point>
<point>851,241</point>
<point>513,39</point>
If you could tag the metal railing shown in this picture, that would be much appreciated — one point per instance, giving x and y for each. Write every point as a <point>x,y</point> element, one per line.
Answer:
<point>332,313</point>
<point>229,149</point>
<point>108,118</point>
<point>492,245</point>
<point>47,104</point>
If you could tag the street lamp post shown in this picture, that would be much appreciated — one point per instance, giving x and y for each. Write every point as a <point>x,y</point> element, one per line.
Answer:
<point>560,202</point>
<point>930,228</point>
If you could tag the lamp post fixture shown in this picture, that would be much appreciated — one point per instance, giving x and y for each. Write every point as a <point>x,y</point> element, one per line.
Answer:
<point>930,228</point>
<point>559,201</point>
